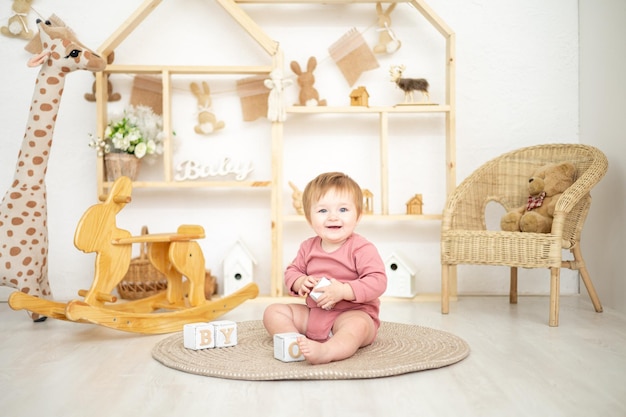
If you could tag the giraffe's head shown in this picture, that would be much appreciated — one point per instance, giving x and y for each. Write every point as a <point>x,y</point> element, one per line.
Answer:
<point>56,45</point>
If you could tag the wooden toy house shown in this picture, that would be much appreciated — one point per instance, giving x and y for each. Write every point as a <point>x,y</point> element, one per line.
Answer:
<point>414,205</point>
<point>359,97</point>
<point>400,277</point>
<point>238,268</point>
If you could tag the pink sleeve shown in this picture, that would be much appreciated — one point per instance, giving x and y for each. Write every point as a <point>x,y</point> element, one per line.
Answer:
<point>372,280</point>
<point>297,267</point>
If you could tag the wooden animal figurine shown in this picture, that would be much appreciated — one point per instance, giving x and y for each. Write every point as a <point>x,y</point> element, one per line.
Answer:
<point>308,94</point>
<point>387,41</point>
<point>111,96</point>
<point>296,198</point>
<point>368,202</point>
<point>276,111</point>
<point>408,85</point>
<point>207,122</point>
<point>18,25</point>
<point>23,214</point>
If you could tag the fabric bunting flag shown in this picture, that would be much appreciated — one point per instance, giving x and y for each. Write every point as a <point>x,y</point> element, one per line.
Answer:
<point>353,56</point>
<point>147,91</point>
<point>253,94</point>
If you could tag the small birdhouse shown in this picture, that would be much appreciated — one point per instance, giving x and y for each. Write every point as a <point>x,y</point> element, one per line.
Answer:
<point>414,205</point>
<point>359,97</point>
<point>238,268</point>
<point>368,202</point>
<point>400,277</point>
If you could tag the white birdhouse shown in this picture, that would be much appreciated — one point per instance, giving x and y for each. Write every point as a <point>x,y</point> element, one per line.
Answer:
<point>238,268</point>
<point>400,277</point>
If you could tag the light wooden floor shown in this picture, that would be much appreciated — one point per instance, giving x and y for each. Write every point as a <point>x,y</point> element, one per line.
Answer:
<point>518,366</point>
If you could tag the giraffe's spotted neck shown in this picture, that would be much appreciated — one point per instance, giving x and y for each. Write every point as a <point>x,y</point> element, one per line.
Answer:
<point>33,157</point>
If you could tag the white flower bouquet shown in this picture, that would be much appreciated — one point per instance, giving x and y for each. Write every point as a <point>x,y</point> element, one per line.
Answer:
<point>137,131</point>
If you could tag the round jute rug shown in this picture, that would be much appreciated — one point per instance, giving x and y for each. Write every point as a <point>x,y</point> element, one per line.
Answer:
<point>398,349</point>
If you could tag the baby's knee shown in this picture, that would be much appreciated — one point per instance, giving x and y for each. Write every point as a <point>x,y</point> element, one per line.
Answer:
<point>363,322</point>
<point>274,311</point>
<point>270,311</point>
<point>357,323</point>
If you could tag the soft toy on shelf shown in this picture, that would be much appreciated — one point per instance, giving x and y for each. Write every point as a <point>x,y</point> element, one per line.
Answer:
<point>387,41</point>
<point>309,96</point>
<point>408,85</point>
<point>111,96</point>
<point>18,26</point>
<point>545,187</point>
<point>276,111</point>
<point>207,122</point>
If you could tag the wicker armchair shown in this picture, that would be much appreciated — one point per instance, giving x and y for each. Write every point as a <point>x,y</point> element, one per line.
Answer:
<point>466,240</point>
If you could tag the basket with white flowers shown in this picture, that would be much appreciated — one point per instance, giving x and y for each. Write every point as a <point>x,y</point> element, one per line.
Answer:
<point>129,137</point>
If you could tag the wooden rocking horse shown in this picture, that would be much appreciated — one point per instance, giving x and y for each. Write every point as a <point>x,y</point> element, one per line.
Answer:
<point>176,255</point>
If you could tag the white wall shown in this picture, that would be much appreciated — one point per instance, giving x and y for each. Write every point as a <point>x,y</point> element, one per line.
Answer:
<point>602,93</point>
<point>517,85</point>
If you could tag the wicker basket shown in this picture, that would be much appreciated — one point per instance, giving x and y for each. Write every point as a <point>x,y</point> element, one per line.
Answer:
<point>118,164</point>
<point>142,279</point>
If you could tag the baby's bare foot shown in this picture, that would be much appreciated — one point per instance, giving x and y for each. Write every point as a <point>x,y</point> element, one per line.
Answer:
<point>315,353</point>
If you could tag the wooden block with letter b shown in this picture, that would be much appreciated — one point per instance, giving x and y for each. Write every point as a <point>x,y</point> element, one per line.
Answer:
<point>198,336</point>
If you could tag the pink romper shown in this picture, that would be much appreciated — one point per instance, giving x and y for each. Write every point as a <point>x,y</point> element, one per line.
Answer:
<point>357,263</point>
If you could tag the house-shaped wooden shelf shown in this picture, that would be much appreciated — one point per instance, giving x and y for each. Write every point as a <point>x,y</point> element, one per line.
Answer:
<point>278,185</point>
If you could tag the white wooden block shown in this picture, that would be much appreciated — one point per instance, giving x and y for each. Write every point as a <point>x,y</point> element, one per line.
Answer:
<point>225,333</point>
<point>323,283</point>
<point>198,336</point>
<point>286,348</point>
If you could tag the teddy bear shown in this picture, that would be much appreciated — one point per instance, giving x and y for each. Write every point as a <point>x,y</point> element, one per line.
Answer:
<point>545,186</point>
<point>17,25</point>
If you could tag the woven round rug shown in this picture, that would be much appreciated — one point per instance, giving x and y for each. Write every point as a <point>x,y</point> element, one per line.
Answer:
<point>398,349</point>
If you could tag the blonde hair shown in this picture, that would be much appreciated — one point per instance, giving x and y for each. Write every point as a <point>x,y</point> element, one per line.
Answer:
<point>320,185</point>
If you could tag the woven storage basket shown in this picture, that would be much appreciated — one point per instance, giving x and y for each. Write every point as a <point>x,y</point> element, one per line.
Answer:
<point>142,279</point>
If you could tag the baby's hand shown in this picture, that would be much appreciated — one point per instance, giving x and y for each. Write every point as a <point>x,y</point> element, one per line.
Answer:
<point>330,294</point>
<point>315,293</point>
<point>307,285</point>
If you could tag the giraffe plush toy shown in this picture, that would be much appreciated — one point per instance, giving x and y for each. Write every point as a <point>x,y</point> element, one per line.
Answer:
<point>23,214</point>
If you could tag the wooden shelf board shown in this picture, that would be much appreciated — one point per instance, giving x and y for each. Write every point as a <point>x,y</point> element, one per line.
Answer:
<point>198,184</point>
<point>287,299</point>
<point>295,218</point>
<point>187,69</point>
<point>418,108</point>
